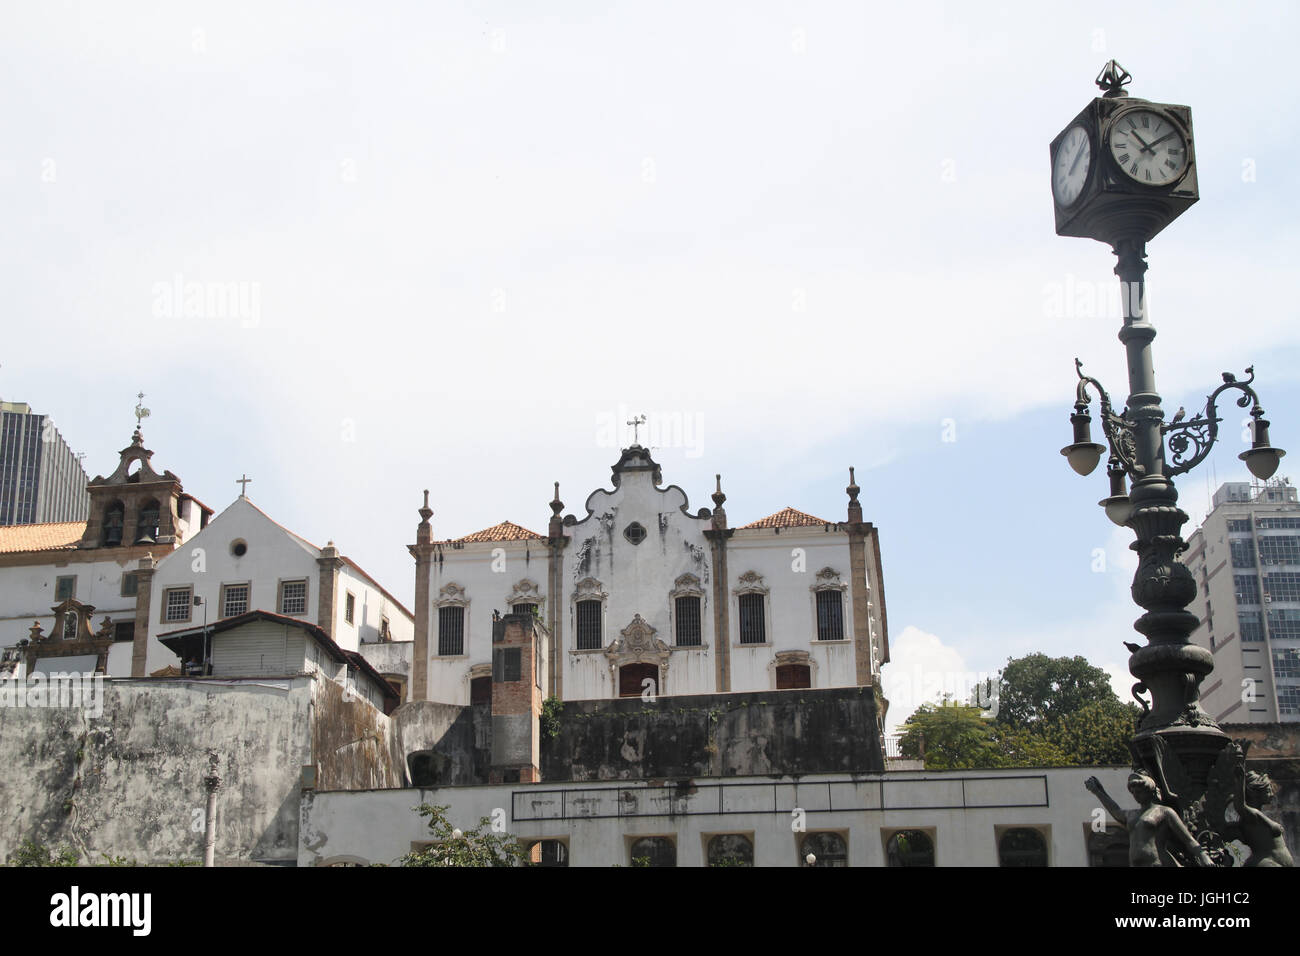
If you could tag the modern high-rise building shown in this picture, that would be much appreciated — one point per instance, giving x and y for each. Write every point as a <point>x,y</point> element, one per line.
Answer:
<point>41,480</point>
<point>1246,561</point>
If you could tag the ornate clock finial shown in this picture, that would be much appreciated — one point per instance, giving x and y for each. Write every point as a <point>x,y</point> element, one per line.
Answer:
<point>1112,79</point>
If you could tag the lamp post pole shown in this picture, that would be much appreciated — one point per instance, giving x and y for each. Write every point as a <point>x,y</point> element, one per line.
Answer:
<point>1143,177</point>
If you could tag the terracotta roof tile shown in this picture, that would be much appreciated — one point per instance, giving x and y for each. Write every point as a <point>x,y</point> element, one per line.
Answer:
<point>505,531</point>
<point>52,536</point>
<point>787,518</point>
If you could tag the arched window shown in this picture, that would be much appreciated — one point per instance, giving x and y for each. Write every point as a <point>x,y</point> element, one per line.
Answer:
<point>1022,846</point>
<point>114,517</point>
<point>70,625</point>
<point>548,853</point>
<point>653,851</point>
<point>827,849</point>
<point>731,849</point>
<point>146,529</point>
<point>910,848</point>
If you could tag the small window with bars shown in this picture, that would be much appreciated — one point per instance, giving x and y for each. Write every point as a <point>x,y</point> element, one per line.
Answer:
<point>350,608</point>
<point>507,665</point>
<point>830,616</point>
<point>177,604</point>
<point>234,600</point>
<point>451,631</point>
<point>753,628</point>
<point>527,608</point>
<point>687,621</point>
<point>588,620</point>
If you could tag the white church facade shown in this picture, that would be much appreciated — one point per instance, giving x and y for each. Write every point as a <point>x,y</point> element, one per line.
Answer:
<point>640,596</point>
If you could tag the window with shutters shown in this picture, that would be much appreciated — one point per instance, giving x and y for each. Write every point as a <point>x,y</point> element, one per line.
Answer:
<point>130,584</point>
<point>793,676</point>
<point>588,625</point>
<point>65,587</point>
<point>507,665</point>
<point>124,631</point>
<point>636,680</point>
<point>753,629</point>
<point>480,690</point>
<point>451,631</point>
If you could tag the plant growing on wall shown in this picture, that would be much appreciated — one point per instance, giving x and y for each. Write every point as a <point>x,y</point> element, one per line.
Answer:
<point>552,708</point>
<point>32,853</point>
<point>452,847</point>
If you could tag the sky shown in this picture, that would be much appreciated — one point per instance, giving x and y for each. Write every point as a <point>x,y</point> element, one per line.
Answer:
<point>456,246</point>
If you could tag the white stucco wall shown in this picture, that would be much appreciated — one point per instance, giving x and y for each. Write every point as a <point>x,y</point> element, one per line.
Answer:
<point>964,809</point>
<point>27,594</point>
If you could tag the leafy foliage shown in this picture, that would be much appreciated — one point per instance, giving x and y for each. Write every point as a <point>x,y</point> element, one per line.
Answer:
<point>1038,689</point>
<point>452,847</point>
<point>32,853</point>
<point>552,708</point>
<point>1051,712</point>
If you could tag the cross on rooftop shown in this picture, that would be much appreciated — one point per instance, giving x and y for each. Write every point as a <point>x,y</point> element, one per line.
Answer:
<point>636,423</point>
<point>243,485</point>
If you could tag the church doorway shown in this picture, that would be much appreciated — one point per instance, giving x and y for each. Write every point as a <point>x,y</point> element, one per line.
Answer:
<point>632,678</point>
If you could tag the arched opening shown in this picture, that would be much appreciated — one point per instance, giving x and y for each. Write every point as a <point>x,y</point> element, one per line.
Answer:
<point>827,849</point>
<point>654,851</point>
<point>70,626</point>
<point>1022,846</point>
<point>910,848</point>
<point>548,853</point>
<point>146,528</point>
<point>632,680</point>
<point>730,849</point>
<point>114,517</point>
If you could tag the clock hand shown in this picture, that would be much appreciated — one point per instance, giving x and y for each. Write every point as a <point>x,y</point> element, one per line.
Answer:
<point>1077,156</point>
<point>1134,133</point>
<point>1161,139</point>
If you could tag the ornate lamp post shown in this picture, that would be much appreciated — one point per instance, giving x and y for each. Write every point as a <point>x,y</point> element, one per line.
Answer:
<point>1122,171</point>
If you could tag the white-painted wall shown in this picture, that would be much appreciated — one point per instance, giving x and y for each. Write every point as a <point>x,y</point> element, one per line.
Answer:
<point>27,595</point>
<point>965,810</point>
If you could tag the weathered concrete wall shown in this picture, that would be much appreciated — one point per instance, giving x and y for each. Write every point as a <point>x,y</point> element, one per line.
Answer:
<point>716,735</point>
<point>129,782</point>
<point>356,747</point>
<point>444,744</point>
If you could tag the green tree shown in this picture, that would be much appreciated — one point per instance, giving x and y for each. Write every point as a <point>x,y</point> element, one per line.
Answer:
<point>1038,689</point>
<point>952,737</point>
<point>452,847</point>
<point>1096,734</point>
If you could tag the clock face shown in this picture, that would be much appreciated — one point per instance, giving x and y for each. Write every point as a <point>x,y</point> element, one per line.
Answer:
<point>1148,147</point>
<point>1071,165</point>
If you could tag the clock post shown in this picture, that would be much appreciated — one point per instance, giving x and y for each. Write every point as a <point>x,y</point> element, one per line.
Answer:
<point>1121,171</point>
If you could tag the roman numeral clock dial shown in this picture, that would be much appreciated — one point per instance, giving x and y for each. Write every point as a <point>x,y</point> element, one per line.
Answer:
<point>1071,166</point>
<point>1147,147</point>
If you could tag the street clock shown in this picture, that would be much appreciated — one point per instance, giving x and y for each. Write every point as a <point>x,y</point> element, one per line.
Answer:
<point>1124,168</point>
